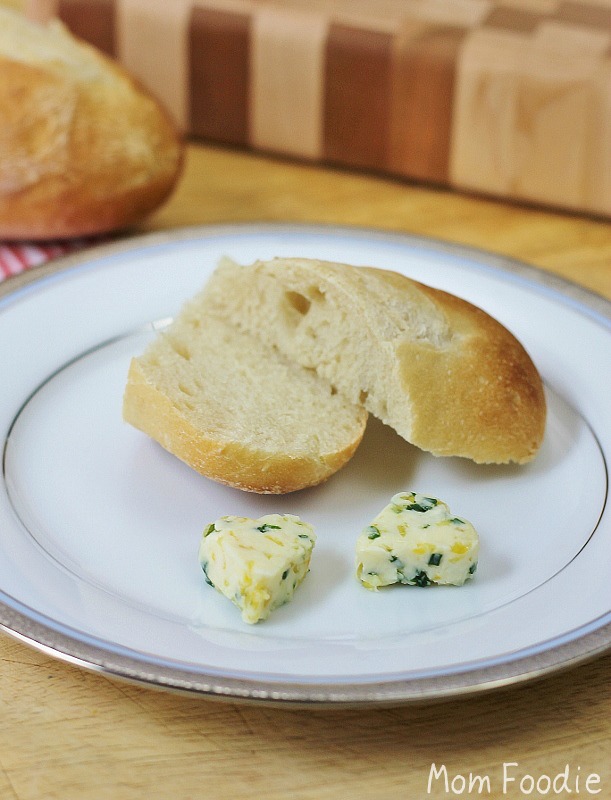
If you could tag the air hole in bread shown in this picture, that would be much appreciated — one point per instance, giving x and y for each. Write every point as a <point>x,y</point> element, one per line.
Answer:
<point>185,390</point>
<point>299,302</point>
<point>315,294</point>
<point>180,349</point>
<point>363,396</point>
<point>333,390</point>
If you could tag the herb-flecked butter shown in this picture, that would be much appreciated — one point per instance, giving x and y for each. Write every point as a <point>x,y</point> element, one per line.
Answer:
<point>417,541</point>
<point>257,563</point>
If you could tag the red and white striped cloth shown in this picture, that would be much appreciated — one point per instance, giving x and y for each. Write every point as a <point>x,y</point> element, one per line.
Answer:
<point>16,257</point>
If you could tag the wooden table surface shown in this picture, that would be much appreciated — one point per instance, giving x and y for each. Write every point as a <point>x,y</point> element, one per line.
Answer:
<point>68,733</point>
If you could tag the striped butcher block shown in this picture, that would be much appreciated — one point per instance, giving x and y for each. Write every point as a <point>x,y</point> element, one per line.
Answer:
<point>510,99</point>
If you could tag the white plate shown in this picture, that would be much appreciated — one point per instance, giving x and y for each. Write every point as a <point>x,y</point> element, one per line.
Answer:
<point>101,527</point>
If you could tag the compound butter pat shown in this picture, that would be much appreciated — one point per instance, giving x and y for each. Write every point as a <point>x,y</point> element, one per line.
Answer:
<point>416,540</point>
<point>257,563</point>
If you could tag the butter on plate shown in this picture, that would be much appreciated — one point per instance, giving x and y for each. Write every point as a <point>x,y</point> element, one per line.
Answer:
<point>416,540</point>
<point>257,563</point>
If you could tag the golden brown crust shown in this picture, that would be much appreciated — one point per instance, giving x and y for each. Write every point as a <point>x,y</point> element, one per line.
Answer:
<point>228,462</point>
<point>81,151</point>
<point>480,396</point>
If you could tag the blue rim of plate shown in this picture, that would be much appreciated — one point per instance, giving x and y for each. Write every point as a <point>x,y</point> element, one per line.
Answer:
<point>77,648</point>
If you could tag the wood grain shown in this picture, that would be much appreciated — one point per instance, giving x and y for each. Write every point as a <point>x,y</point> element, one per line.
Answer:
<point>530,116</point>
<point>66,733</point>
<point>69,734</point>
<point>221,184</point>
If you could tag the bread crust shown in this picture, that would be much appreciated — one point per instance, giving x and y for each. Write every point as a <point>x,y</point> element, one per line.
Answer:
<point>229,462</point>
<point>84,149</point>
<point>481,397</point>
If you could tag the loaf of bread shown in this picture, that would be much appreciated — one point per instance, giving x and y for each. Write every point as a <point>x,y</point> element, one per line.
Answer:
<point>83,149</point>
<point>445,375</point>
<point>237,411</point>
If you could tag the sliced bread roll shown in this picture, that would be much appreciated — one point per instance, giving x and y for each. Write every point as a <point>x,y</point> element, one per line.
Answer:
<point>235,410</point>
<point>445,375</point>
<point>83,148</point>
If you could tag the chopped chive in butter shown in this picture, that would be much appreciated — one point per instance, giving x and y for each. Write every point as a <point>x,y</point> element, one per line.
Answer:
<point>420,579</point>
